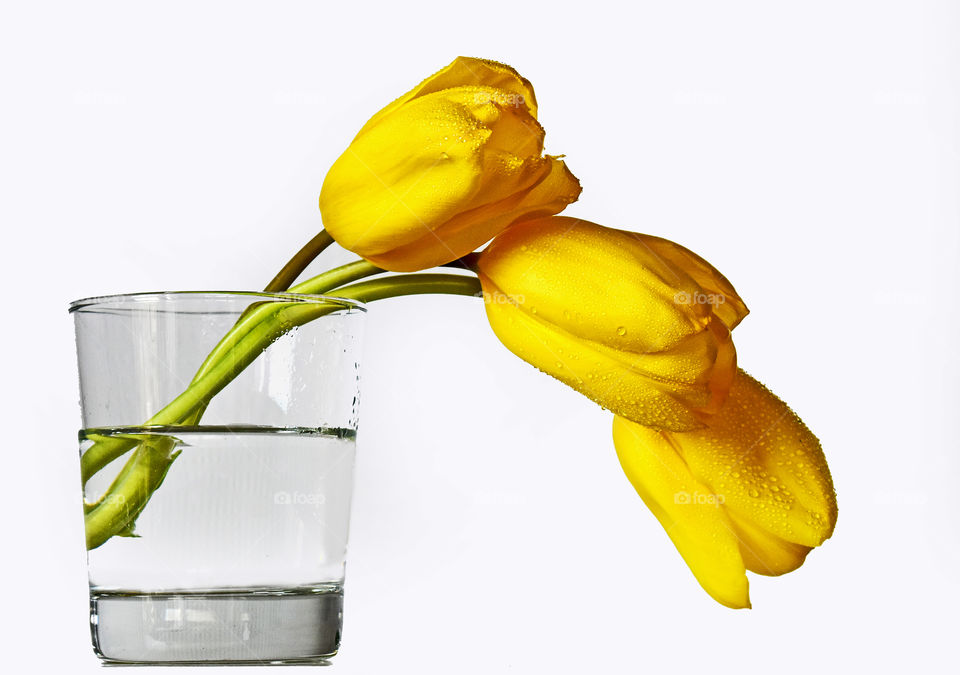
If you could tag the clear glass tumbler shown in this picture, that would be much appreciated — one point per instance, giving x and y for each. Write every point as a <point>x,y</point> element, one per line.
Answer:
<point>216,452</point>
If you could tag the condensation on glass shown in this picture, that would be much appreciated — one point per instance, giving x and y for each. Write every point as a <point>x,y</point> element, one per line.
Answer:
<point>237,553</point>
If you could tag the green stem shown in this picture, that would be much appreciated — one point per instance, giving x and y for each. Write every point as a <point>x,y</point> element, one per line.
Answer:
<point>294,268</point>
<point>107,449</point>
<point>144,471</point>
<point>467,262</point>
<point>318,285</point>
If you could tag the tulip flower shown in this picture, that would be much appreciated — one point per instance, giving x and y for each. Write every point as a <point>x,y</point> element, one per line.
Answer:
<point>636,323</point>
<point>443,169</point>
<point>750,491</point>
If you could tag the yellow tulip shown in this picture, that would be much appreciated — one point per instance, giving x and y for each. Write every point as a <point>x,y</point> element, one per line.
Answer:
<point>751,491</point>
<point>636,323</point>
<point>444,169</point>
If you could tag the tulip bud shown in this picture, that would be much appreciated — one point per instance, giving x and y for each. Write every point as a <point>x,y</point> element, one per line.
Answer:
<point>443,169</point>
<point>750,491</point>
<point>636,323</point>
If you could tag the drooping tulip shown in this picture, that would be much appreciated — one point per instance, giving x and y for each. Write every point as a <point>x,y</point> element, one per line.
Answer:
<point>750,491</point>
<point>443,169</point>
<point>636,323</point>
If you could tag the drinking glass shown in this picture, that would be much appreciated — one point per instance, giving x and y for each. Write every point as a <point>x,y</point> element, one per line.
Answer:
<point>217,450</point>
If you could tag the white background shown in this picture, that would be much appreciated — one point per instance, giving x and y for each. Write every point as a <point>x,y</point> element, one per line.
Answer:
<point>808,149</point>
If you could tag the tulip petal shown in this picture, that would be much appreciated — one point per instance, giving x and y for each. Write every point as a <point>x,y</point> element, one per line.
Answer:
<point>687,510</point>
<point>510,156</point>
<point>598,309</point>
<point>718,291</point>
<point>555,189</point>
<point>615,289</point>
<point>765,553</point>
<point>441,176</point>
<point>400,176</point>
<point>766,463</point>
<point>648,388</point>
<point>766,468</point>
<point>467,71</point>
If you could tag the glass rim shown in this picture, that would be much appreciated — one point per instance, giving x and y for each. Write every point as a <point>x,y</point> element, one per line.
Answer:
<point>122,299</point>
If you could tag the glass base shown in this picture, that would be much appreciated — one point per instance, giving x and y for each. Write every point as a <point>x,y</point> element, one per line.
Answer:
<point>230,626</point>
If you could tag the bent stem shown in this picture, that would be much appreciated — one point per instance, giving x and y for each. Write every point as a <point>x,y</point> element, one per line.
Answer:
<point>107,449</point>
<point>146,468</point>
<point>299,262</point>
